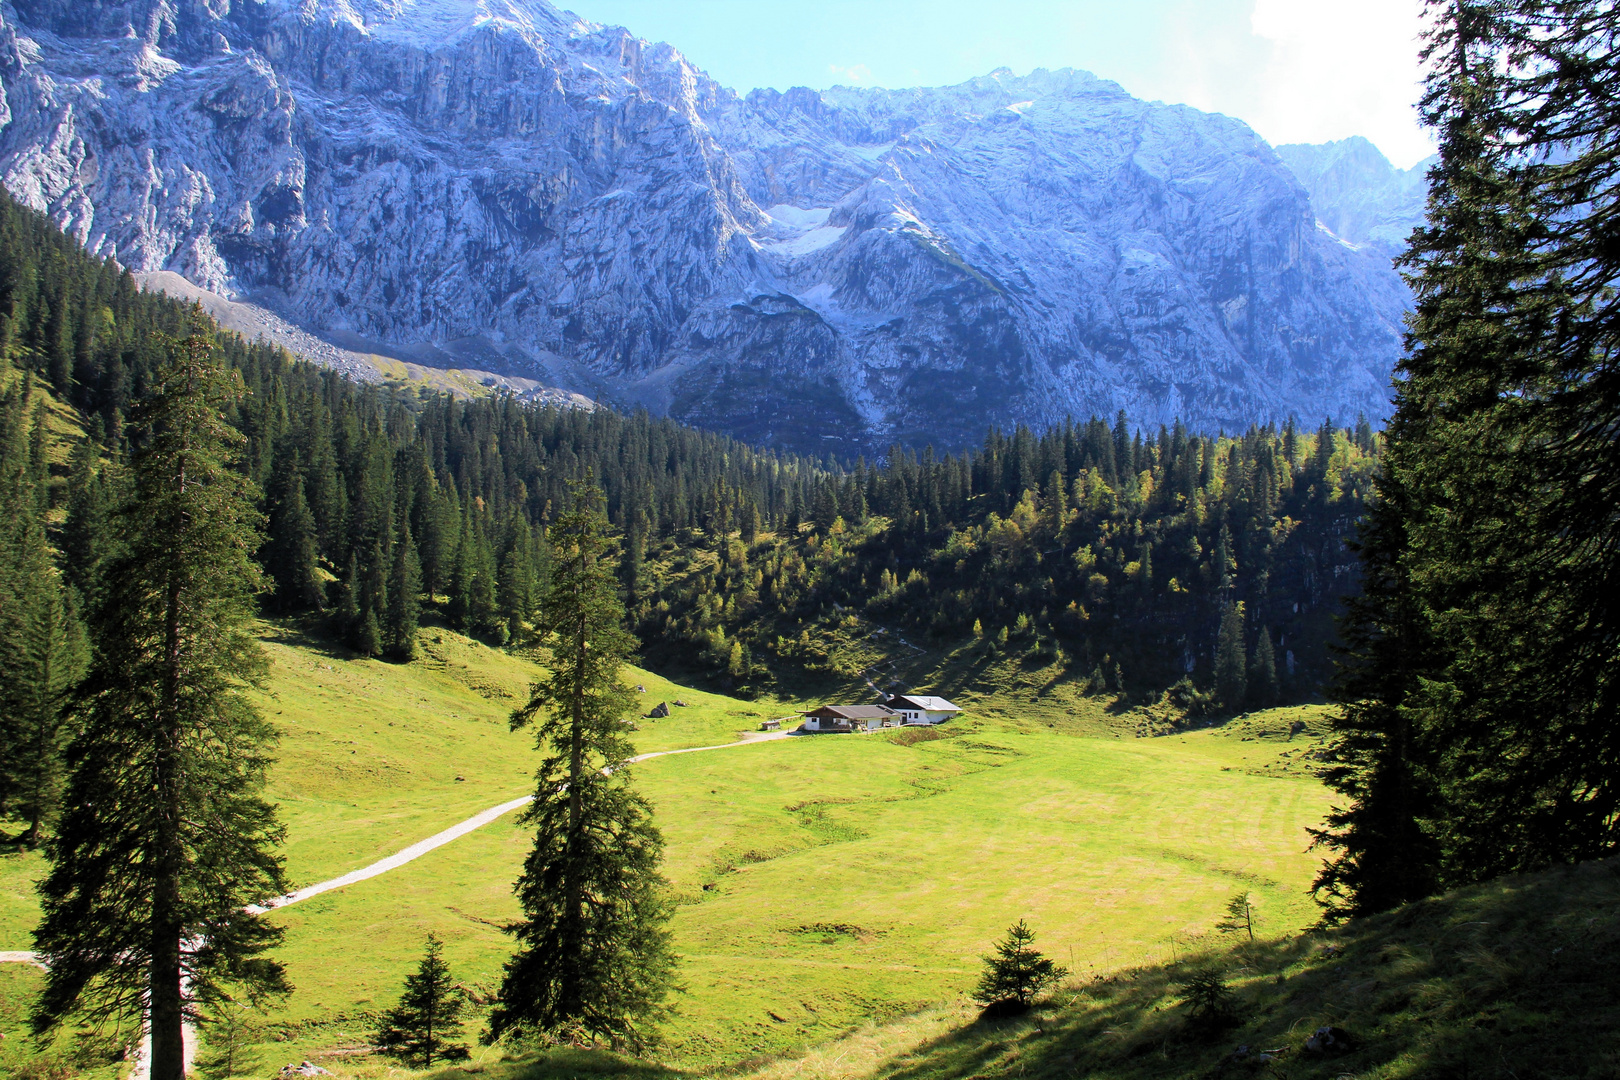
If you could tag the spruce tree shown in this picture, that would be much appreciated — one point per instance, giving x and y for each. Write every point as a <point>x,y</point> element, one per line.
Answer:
<point>485,615</point>
<point>404,597</point>
<point>423,1027</point>
<point>1231,679</point>
<point>349,613</point>
<point>594,954</point>
<point>1383,855</point>
<point>42,674</point>
<point>85,532</point>
<point>42,646</point>
<point>514,591</point>
<point>1515,550</point>
<point>1016,972</point>
<point>1476,736</point>
<point>291,555</point>
<point>463,568</point>
<point>165,841</point>
<point>1263,672</point>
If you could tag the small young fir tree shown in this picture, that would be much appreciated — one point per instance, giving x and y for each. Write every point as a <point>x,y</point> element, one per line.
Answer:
<point>423,1027</point>
<point>1016,972</point>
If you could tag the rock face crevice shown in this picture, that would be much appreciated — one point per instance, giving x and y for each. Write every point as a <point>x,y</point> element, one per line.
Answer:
<point>502,183</point>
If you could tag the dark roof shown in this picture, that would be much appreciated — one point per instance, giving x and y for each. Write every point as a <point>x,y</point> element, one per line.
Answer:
<point>853,712</point>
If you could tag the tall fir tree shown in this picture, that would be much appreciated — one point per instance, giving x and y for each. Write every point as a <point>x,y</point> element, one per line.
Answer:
<point>291,556</point>
<point>85,530</point>
<point>1382,853</point>
<point>463,569</point>
<point>42,645</point>
<point>1263,672</point>
<point>404,597</point>
<point>594,954</point>
<point>165,841</point>
<point>42,676</point>
<point>515,590</point>
<point>1231,678</point>
<point>1516,555</point>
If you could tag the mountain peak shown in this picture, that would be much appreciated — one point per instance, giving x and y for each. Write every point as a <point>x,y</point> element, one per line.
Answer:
<point>432,23</point>
<point>829,270</point>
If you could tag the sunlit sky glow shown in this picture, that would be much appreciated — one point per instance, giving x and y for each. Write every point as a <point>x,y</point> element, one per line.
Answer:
<point>1295,70</point>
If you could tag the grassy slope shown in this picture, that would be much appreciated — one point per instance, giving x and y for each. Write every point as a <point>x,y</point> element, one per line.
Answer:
<point>1505,981</point>
<point>850,877</point>
<point>1512,979</point>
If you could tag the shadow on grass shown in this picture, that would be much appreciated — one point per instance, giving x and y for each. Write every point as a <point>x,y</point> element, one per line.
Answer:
<point>1511,979</point>
<point>563,1063</point>
<point>308,633</point>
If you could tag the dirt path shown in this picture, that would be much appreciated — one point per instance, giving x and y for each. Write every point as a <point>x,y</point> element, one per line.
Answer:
<point>437,840</point>
<point>143,1063</point>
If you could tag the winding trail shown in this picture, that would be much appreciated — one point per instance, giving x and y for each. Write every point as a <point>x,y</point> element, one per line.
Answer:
<point>143,1062</point>
<point>422,847</point>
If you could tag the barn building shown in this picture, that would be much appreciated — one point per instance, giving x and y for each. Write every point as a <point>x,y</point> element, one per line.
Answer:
<point>850,718</point>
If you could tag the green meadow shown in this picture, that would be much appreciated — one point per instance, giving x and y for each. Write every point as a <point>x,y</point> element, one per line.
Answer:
<point>823,883</point>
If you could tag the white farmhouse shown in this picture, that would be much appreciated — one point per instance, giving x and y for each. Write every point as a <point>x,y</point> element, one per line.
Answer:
<point>917,709</point>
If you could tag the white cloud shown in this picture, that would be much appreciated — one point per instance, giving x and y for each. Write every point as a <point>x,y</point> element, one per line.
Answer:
<point>854,74</point>
<point>1338,68</point>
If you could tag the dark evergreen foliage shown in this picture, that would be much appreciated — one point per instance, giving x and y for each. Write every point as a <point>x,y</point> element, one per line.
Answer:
<point>1481,683</point>
<point>165,841</point>
<point>42,645</point>
<point>594,956</point>
<point>424,1026</point>
<point>1016,971</point>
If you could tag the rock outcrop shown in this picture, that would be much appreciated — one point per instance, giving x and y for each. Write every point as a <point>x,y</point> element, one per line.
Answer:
<point>1358,195</point>
<point>500,185</point>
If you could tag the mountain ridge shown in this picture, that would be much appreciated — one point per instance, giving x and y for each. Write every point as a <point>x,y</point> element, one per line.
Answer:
<point>507,187</point>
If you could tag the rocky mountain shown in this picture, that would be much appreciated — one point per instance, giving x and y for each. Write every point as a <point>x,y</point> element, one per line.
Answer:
<point>1358,195</point>
<point>500,185</point>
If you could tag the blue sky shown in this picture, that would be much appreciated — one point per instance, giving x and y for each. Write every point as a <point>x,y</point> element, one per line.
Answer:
<point>1295,70</point>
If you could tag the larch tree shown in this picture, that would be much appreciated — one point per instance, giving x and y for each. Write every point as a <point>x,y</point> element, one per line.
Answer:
<point>165,840</point>
<point>594,956</point>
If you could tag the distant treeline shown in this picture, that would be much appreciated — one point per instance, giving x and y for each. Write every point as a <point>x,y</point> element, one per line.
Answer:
<point>1088,545</point>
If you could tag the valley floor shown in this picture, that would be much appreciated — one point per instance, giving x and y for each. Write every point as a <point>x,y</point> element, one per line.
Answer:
<point>825,883</point>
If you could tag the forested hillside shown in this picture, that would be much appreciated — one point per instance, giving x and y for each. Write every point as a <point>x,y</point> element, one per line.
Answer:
<point>1134,563</point>
<point>1137,563</point>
